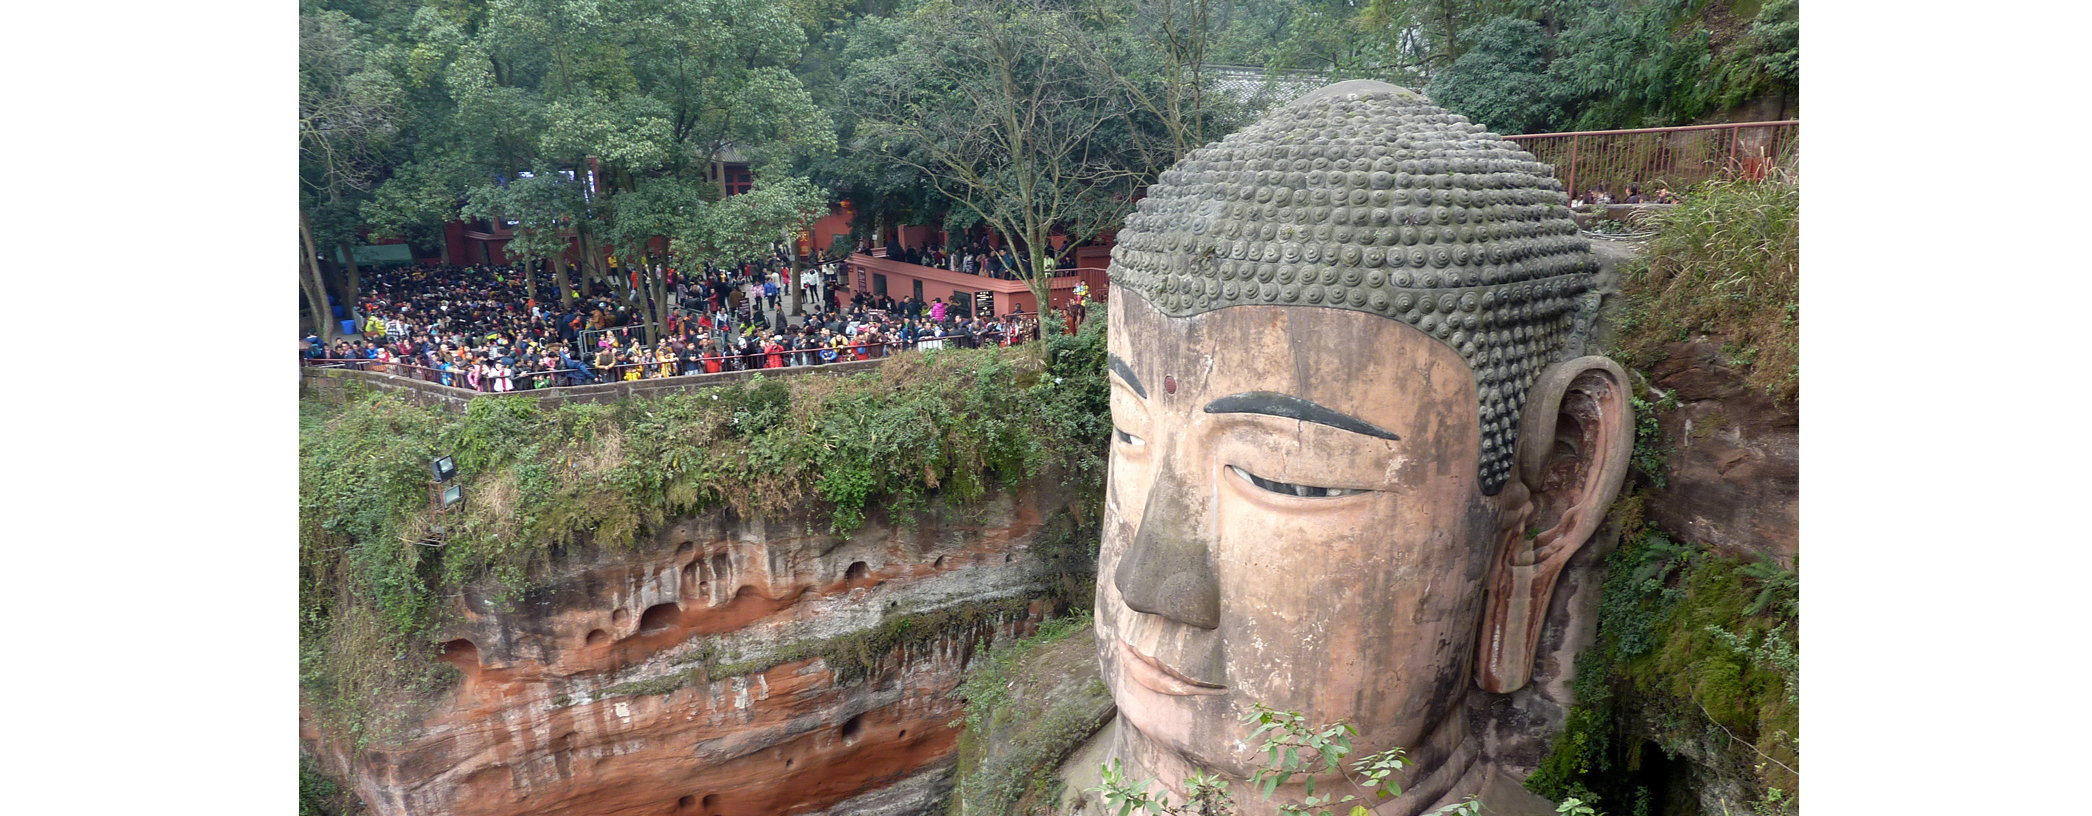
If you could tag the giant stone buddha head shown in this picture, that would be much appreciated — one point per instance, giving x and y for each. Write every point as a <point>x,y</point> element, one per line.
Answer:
<point>1352,451</point>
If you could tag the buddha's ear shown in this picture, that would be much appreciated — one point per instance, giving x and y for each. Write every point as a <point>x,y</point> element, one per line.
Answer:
<point>1574,440</point>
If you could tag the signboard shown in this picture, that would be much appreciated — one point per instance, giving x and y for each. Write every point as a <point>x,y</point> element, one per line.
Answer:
<point>984,304</point>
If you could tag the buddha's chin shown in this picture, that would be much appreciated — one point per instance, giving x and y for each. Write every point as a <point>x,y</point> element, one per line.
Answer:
<point>1160,729</point>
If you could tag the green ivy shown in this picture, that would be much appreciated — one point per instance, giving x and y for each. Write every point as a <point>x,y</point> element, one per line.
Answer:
<point>1696,652</point>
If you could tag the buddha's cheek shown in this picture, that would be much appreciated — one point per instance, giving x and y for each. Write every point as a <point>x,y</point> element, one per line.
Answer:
<point>1297,594</point>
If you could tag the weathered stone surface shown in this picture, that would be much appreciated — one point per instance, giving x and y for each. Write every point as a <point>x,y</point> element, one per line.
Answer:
<point>591,694</point>
<point>1054,701</point>
<point>1366,197</point>
<point>1369,457</point>
<point>1734,478</point>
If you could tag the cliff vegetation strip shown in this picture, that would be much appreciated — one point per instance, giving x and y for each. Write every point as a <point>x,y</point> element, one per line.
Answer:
<point>1697,657</point>
<point>377,567</point>
<point>1725,262</point>
<point>852,657</point>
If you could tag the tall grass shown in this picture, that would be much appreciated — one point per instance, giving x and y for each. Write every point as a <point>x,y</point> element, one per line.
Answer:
<point>1726,263</point>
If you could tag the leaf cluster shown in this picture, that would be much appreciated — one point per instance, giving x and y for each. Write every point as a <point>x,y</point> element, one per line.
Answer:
<point>1696,652</point>
<point>1292,748</point>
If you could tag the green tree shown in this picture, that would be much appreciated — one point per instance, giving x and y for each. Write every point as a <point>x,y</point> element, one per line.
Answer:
<point>345,126</point>
<point>981,98</point>
<point>599,126</point>
<point>1501,82</point>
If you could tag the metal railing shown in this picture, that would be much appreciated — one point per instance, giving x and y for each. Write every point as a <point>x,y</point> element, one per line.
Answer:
<point>1673,157</point>
<point>629,372</point>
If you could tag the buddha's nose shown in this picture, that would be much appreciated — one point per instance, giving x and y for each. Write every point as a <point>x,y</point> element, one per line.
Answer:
<point>1166,571</point>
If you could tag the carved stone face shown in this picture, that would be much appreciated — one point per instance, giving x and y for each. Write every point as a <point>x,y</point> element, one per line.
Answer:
<point>1293,517</point>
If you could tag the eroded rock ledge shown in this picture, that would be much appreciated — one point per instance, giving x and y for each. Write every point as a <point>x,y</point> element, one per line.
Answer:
<point>733,666</point>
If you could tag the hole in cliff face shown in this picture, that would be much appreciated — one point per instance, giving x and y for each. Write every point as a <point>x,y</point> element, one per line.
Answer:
<point>938,564</point>
<point>904,734</point>
<point>857,571</point>
<point>597,637</point>
<point>684,548</point>
<point>853,729</point>
<point>463,654</point>
<point>690,577</point>
<point>687,802</point>
<point>618,616</point>
<point>711,801</point>
<point>788,764</point>
<point>659,618</point>
<point>1008,557</point>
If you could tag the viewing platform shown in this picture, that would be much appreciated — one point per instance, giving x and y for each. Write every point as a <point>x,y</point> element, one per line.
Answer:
<point>876,274</point>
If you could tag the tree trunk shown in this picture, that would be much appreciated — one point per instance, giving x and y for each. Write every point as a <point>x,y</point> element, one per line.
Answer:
<point>355,274</point>
<point>788,287</point>
<point>658,286</point>
<point>1041,285</point>
<point>650,311</point>
<point>315,301</point>
<point>559,276</point>
<point>328,328</point>
<point>530,280</point>
<point>588,266</point>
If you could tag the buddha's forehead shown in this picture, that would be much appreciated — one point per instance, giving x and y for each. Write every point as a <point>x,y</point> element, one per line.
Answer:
<point>1383,371</point>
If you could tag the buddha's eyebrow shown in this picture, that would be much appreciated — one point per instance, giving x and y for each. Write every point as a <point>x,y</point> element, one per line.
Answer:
<point>1272,403</point>
<point>1126,373</point>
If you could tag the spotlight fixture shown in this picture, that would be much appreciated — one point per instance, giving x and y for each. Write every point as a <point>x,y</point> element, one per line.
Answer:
<point>443,468</point>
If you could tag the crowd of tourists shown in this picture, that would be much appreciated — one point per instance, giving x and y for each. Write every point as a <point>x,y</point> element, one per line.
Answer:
<point>478,327</point>
<point>973,258</point>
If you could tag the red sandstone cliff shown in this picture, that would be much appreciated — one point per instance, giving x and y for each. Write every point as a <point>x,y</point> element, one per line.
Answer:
<point>621,683</point>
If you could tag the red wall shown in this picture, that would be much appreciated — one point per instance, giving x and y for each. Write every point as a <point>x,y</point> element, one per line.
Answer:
<point>836,222</point>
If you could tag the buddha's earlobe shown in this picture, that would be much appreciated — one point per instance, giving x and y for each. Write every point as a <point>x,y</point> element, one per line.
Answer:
<point>1574,441</point>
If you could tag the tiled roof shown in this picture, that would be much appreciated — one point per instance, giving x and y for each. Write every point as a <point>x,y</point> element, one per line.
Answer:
<point>1262,90</point>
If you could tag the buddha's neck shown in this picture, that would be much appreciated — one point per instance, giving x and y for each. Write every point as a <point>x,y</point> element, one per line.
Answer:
<point>1443,770</point>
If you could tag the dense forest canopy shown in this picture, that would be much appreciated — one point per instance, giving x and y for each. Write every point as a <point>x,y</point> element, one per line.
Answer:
<point>1026,116</point>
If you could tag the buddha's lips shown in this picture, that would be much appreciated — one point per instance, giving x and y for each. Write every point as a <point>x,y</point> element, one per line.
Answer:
<point>1161,679</point>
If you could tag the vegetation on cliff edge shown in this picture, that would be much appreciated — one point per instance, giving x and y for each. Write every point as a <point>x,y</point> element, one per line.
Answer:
<point>943,426</point>
<point>1726,263</point>
<point>1045,732</point>
<point>1698,656</point>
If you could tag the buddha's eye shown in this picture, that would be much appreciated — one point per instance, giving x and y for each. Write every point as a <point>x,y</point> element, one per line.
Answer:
<point>1129,439</point>
<point>1285,489</point>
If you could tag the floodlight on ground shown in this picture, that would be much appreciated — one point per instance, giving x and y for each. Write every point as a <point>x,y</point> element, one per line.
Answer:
<point>452,495</point>
<point>443,468</point>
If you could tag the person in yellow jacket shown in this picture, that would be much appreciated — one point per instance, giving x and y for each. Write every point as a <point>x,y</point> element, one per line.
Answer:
<point>374,328</point>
